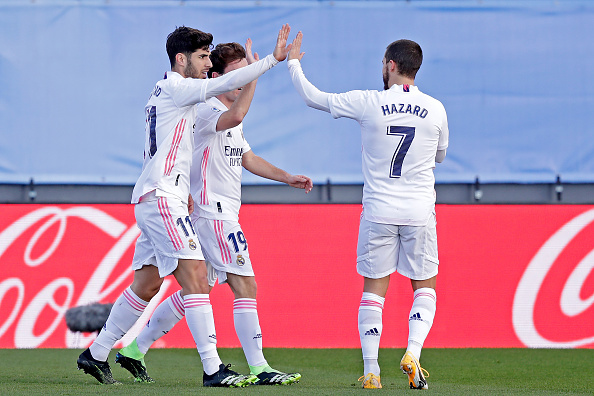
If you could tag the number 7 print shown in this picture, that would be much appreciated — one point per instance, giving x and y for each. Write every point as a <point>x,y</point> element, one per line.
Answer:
<point>406,134</point>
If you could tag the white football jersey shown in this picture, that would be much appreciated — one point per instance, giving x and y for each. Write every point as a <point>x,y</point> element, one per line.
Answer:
<point>170,116</point>
<point>401,131</point>
<point>217,169</point>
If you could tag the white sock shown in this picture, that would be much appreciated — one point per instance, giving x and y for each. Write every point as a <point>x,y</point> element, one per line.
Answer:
<point>421,319</point>
<point>247,327</point>
<point>370,330</point>
<point>124,313</point>
<point>166,315</point>
<point>201,323</point>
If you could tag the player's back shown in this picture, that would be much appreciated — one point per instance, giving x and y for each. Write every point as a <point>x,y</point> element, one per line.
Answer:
<point>401,131</point>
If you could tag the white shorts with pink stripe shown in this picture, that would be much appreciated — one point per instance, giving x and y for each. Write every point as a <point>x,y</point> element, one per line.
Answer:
<point>225,247</point>
<point>166,234</point>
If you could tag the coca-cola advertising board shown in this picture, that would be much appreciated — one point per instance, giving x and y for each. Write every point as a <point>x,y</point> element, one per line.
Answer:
<point>509,276</point>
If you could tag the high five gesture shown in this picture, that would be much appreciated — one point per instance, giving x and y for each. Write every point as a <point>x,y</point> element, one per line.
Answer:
<point>282,49</point>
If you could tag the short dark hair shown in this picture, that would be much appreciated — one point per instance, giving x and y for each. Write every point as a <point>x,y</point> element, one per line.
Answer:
<point>407,55</point>
<point>186,40</point>
<point>223,55</point>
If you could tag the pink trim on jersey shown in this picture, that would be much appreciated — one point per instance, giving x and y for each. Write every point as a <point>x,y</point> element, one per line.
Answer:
<point>203,193</point>
<point>371,303</point>
<point>134,303</point>
<point>169,224</point>
<point>196,302</point>
<point>178,303</point>
<point>223,247</point>
<point>428,295</point>
<point>172,155</point>
<point>245,303</point>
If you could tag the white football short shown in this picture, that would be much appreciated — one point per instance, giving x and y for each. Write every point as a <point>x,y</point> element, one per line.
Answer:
<point>385,248</point>
<point>225,247</point>
<point>166,234</point>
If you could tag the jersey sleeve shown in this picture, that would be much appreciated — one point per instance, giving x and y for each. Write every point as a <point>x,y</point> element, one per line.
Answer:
<point>189,91</point>
<point>312,96</point>
<point>246,146</point>
<point>239,77</point>
<point>350,104</point>
<point>444,132</point>
<point>207,117</point>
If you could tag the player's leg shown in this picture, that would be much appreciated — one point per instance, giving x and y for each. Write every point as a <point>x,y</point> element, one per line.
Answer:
<point>419,262</point>
<point>376,260</point>
<point>371,326</point>
<point>166,315</point>
<point>124,314</point>
<point>247,327</point>
<point>192,277</point>
<point>164,318</point>
<point>421,314</point>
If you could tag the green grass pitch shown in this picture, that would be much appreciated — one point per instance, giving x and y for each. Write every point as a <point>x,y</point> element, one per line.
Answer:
<point>325,372</point>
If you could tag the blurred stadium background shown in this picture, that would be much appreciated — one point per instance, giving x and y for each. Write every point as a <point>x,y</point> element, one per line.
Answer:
<point>516,78</point>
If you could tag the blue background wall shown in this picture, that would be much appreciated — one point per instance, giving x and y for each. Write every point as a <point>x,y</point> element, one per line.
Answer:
<point>515,77</point>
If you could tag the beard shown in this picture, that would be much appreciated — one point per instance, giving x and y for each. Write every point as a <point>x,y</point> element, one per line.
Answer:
<point>386,77</point>
<point>190,70</point>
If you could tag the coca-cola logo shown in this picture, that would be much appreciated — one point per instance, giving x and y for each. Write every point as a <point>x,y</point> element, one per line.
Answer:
<point>84,256</point>
<point>572,282</point>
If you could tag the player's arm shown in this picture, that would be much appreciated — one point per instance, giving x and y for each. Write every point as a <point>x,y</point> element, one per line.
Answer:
<point>259,166</point>
<point>444,137</point>
<point>240,77</point>
<point>312,96</point>
<point>238,110</point>
<point>440,156</point>
<point>190,204</point>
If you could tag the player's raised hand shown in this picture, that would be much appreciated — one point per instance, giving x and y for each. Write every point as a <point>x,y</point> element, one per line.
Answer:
<point>251,58</point>
<point>296,47</point>
<point>282,49</point>
<point>300,181</point>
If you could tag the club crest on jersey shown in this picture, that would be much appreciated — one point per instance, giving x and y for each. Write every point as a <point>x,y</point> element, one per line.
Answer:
<point>240,260</point>
<point>192,244</point>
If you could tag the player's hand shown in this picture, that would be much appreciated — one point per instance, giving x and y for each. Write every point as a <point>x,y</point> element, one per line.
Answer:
<point>251,58</point>
<point>282,49</point>
<point>300,181</point>
<point>296,47</point>
<point>190,204</point>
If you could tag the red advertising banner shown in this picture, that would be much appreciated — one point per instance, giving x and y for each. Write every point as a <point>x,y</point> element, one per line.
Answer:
<point>510,276</point>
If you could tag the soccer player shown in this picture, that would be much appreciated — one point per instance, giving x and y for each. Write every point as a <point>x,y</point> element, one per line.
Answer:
<point>168,243</point>
<point>404,132</point>
<point>220,152</point>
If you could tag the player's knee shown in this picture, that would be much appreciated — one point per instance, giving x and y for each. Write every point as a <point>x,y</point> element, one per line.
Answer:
<point>243,286</point>
<point>146,289</point>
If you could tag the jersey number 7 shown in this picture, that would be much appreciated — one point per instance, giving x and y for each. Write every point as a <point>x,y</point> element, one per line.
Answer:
<point>406,135</point>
